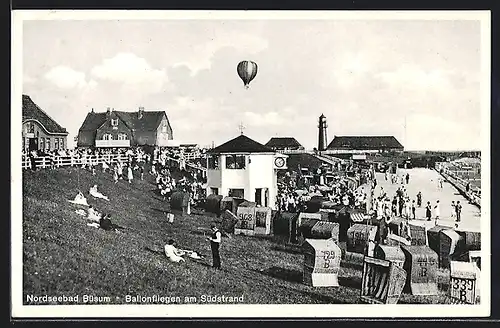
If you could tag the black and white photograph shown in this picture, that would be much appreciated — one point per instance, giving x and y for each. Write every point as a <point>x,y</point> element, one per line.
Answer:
<point>202,164</point>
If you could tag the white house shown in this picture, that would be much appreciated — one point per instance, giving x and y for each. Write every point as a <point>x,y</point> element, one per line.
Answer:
<point>244,168</point>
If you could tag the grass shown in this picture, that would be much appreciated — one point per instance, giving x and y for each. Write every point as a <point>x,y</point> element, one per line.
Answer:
<point>63,256</point>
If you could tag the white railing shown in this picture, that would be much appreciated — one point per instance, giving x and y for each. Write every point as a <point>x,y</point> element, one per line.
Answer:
<point>294,151</point>
<point>474,194</point>
<point>112,143</point>
<point>60,161</point>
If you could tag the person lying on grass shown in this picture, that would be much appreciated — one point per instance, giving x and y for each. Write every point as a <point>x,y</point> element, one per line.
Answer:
<point>172,253</point>
<point>93,215</point>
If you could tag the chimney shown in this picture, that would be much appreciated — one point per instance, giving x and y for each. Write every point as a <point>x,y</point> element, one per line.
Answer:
<point>108,112</point>
<point>140,113</point>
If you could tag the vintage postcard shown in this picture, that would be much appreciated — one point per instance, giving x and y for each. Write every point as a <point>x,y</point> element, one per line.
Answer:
<point>203,164</point>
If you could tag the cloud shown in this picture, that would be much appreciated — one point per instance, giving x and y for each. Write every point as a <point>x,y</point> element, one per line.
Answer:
<point>130,70</point>
<point>203,53</point>
<point>413,76</point>
<point>264,119</point>
<point>65,77</point>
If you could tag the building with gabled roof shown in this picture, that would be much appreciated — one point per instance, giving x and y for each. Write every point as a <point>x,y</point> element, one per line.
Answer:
<point>364,144</point>
<point>39,130</point>
<point>241,144</point>
<point>125,129</point>
<point>244,168</point>
<point>284,143</point>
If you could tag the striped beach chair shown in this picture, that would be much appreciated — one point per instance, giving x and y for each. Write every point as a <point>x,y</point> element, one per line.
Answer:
<point>382,282</point>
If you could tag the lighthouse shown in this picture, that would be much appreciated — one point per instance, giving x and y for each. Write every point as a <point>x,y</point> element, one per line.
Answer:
<point>322,133</point>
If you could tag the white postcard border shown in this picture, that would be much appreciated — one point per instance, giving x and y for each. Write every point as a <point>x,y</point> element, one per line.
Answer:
<point>230,310</point>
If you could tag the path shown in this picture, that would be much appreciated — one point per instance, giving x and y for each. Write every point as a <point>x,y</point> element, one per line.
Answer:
<point>426,181</point>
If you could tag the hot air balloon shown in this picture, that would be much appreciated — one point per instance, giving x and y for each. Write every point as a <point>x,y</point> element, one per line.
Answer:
<point>247,70</point>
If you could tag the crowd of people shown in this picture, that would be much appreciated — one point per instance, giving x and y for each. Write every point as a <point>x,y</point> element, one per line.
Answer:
<point>294,193</point>
<point>188,182</point>
<point>364,193</point>
<point>128,164</point>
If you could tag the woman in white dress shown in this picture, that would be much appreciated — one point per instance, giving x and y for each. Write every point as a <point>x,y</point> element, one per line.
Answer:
<point>437,211</point>
<point>172,253</point>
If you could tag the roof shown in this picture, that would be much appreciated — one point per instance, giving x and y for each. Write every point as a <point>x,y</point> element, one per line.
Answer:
<point>148,122</point>
<point>32,111</point>
<point>364,142</point>
<point>241,144</point>
<point>283,142</point>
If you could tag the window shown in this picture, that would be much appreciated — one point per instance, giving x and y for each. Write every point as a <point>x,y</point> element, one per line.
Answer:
<point>31,127</point>
<point>237,193</point>
<point>213,162</point>
<point>61,143</point>
<point>122,136</point>
<point>215,191</point>
<point>164,128</point>
<point>56,143</point>
<point>235,162</point>
<point>47,143</point>
<point>42,143</point>
<point>114,122</point>
<point>107,136</point>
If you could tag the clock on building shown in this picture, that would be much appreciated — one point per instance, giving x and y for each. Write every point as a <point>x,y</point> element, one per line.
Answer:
<point>279,161</point>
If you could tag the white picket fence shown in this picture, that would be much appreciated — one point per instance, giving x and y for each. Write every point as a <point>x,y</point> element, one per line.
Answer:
<point>61,161</point>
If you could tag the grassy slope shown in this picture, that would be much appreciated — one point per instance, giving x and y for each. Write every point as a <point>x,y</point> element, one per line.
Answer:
<point>63,256</point>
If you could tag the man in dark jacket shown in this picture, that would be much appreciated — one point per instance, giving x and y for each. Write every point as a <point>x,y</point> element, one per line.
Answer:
<point>215,240</point>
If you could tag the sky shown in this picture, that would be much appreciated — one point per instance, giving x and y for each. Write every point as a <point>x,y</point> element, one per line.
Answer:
<point>367,77</point>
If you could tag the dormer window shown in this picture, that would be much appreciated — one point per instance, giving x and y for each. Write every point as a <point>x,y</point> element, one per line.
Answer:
<point>122,136</point>
<point>114,122</point>
<point>107,137</point>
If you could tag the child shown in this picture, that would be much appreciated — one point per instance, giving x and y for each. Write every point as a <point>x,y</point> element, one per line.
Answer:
<point>453,209</point>
<point>115,175</point>
<point>130,175</point>
<point>120,170</point>
<point>413,210</point>
<point>141,170</point>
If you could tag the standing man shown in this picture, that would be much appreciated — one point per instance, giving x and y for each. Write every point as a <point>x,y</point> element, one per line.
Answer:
<point>458,208</point>
<point>215,241</point>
